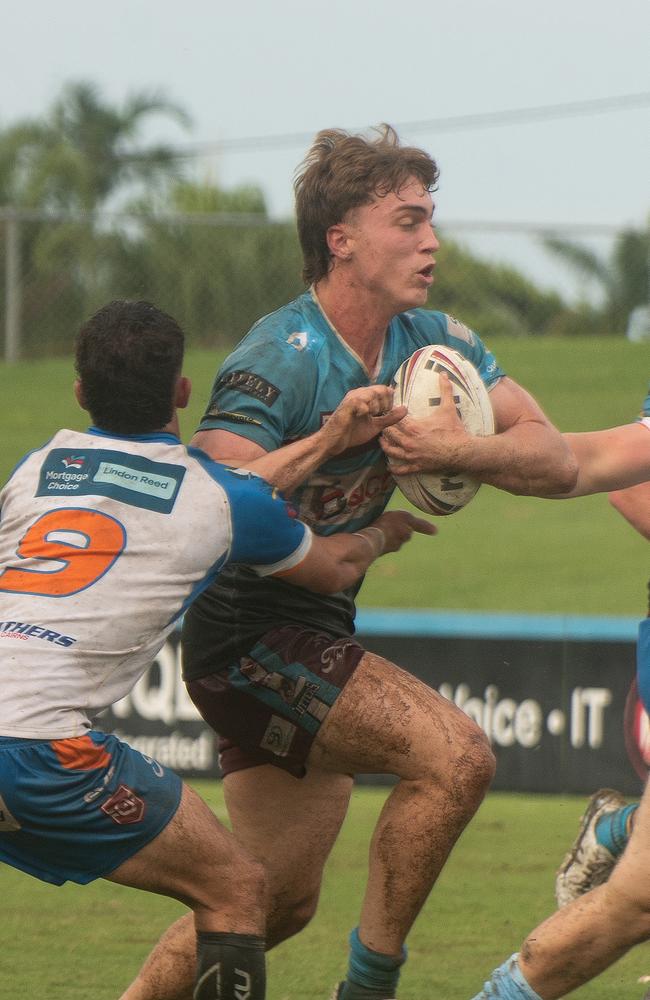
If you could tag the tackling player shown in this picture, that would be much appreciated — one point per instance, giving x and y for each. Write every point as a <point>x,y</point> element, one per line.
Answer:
<point>611,856</point>
<point>105,538</point>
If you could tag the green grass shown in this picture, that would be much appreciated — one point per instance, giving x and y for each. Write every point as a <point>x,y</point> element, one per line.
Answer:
<point>501,552</point>
<point>70,943</point>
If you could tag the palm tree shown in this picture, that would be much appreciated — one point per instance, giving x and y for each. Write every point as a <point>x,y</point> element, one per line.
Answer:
<point>85,150</point>
<point>79,158</point>
<point>624,278</point>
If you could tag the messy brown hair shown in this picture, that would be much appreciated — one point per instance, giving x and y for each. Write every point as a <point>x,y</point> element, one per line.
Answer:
<point>343,171</point>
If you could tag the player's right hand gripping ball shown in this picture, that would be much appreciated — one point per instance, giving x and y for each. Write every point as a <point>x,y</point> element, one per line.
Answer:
<point>417,386</point>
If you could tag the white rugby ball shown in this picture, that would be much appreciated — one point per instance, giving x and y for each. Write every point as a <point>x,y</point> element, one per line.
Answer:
<point>417,387</point>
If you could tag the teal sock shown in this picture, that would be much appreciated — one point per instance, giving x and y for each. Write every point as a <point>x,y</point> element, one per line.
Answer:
<point>611,829</point>
<point>371,976</point>
<point>507,983</point>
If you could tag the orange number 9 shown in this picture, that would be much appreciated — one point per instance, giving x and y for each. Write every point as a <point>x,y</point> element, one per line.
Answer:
<point>88,545</point>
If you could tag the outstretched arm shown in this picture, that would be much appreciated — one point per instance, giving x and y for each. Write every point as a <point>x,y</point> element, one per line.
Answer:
<point>527,454</point>
<point>362,415</point>
<point>611,459</point>
<point>338,561</point>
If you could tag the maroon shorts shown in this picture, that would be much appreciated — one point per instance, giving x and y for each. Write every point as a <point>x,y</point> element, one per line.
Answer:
<point>268,707</point>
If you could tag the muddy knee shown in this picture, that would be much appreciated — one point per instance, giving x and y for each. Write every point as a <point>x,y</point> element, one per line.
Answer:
<point>469,768</point>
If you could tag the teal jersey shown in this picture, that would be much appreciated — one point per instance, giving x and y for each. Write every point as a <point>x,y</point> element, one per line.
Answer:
<point>280,384</point>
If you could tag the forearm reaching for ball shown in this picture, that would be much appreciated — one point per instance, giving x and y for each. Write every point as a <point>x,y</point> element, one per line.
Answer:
<point>338,561</point>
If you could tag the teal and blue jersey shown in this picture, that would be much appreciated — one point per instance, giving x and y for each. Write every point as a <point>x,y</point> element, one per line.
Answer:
<point>281,384</point>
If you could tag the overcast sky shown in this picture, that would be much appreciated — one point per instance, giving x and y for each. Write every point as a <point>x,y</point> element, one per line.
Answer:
<point>269,67</point>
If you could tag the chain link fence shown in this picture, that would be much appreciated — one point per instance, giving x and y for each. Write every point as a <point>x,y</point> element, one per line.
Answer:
<point>217,274</point>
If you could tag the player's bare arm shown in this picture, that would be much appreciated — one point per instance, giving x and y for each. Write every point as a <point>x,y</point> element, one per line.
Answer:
<point>610,459</point>
<point>338,561</point>
<point>527,455</point>
<point>361,416</point>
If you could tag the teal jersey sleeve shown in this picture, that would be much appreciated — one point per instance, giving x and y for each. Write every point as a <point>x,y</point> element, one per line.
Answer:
<point>264,391</point>
<point>429,327</point>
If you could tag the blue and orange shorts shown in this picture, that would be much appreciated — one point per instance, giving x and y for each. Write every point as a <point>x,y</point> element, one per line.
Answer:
<point>269,705</point>
<point>75,809</point>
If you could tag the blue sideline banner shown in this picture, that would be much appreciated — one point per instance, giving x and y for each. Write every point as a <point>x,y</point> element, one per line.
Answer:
<point>554,694</point>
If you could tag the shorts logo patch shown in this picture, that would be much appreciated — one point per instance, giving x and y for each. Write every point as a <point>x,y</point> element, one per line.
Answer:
<point>278,736</point>
<point>124,806</point>
<point>8,822</point>
<point>250,384</point>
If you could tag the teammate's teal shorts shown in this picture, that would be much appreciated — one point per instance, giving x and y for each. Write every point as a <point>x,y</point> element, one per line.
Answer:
<point>76,809</point>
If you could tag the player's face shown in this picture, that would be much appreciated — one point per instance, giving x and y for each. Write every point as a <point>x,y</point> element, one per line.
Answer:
<point>392,244</point>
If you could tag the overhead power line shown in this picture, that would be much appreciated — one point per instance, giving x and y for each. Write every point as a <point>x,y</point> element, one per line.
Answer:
<point>457,123</point>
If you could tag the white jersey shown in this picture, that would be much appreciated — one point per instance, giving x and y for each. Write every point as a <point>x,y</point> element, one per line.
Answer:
<point>104,541</point>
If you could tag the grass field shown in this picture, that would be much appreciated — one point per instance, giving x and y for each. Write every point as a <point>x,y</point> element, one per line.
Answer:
<point>501,553</point>
<point>72,943</point>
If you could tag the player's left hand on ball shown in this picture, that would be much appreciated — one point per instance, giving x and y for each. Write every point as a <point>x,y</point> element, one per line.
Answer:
<point>361,415</point>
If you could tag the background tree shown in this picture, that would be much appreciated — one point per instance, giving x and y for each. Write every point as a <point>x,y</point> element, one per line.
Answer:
<point>82,156</point>
<point>623,280</point>
<point>85,151</point>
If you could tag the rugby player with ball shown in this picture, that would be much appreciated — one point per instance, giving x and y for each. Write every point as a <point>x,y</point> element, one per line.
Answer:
<point>299,705</point>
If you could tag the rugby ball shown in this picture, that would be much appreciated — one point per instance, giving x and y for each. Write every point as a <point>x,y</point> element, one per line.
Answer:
<point>417,387</point>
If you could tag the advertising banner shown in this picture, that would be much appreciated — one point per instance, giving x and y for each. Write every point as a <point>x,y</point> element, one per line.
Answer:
<point>555,696</point>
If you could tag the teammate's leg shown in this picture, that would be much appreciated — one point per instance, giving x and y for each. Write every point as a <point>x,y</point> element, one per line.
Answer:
<point>198,861</point>
<point>603,834</point>
<point>588,935</point>
<point>290,825</point>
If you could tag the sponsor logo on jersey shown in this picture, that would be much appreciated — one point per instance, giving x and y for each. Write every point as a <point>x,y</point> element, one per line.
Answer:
<point>250,384</point>
<point>298,340</point>
<point>236,418</point>
<point>135,479</point>
<point>461,332</point>
<point>132,479</point>
<point>124,806</point>
<point>25,631</point>
<point>360,493</point>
